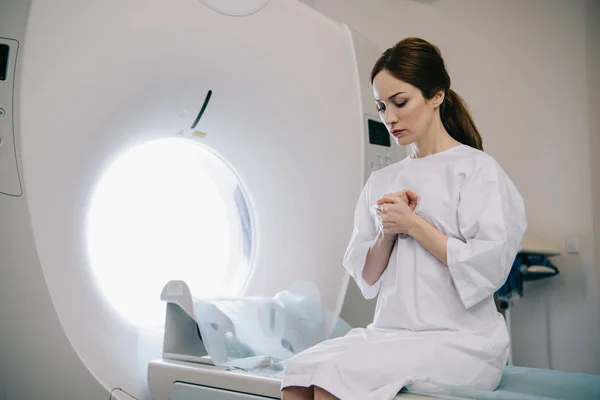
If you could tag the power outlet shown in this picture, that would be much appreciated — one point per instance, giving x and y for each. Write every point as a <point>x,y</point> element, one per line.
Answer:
<point>573,245</point>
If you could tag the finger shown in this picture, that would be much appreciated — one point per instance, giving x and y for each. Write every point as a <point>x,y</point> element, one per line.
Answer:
<point>412,196</point>
<point>401,195</point>
<point>412,199</point>
<point>383,200</point>
<point>388,198</point>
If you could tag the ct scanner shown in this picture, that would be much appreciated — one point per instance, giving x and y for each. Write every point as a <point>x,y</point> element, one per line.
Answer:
<point>221,142</point>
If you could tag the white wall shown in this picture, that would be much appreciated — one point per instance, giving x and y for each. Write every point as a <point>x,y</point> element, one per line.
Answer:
<point>593,76</point>
<point>524,70</point>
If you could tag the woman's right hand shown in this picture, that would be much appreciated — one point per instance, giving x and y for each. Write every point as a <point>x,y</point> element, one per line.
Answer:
<point>409,197</point>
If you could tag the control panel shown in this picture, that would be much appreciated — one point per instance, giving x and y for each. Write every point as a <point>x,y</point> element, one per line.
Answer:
<point>380,149</point>
<point>9,174</point>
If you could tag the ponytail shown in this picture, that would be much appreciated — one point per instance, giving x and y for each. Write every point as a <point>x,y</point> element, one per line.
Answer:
<point>458,122</point>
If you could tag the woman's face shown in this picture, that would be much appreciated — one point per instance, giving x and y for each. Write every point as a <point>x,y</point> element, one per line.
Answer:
<point>403,109</point>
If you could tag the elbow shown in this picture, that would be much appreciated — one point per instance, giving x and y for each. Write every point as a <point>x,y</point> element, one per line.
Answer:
<point>369,289</point>
<point>369,280</point>
<point>473,292</point>
<point>472,298</point>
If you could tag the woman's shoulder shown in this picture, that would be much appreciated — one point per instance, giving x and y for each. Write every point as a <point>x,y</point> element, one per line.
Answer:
<point>471,161</point>
<point>474,155</point>
<point>480,168</point>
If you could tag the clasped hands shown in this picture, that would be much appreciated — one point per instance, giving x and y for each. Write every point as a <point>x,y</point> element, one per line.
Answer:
<point>396,212</point>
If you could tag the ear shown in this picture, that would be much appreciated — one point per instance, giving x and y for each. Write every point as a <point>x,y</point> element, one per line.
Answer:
<point>438,98</point>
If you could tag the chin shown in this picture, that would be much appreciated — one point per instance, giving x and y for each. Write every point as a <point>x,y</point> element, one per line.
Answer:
<point>404,140</point>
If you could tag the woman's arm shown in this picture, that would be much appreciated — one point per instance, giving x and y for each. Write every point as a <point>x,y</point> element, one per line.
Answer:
<point>428,236</point>
<point>378,257</point>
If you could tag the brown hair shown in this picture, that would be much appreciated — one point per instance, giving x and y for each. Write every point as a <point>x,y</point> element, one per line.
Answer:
<point>420,63</point>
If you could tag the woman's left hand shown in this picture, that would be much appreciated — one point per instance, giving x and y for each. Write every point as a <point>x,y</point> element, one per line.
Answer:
<point>396,216</point>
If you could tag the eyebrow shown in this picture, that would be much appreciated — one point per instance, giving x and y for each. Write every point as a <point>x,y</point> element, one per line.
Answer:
<point>392,96</point>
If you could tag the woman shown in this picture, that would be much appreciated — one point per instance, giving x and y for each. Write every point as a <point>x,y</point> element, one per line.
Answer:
<point>435,236</point>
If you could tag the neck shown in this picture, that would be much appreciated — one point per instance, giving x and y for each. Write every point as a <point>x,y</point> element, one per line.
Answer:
<point>436,140</point>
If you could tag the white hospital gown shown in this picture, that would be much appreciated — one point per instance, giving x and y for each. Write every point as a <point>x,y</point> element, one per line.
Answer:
<point>433,323</point>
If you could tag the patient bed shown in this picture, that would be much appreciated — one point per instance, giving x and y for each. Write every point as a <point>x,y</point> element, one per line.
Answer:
<point>186,372</point>
<point>519,383</point>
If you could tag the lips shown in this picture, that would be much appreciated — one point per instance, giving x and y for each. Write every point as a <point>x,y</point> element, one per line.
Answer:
<point>398,132</point>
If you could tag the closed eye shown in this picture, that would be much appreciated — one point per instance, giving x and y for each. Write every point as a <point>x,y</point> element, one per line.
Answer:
<point>381,108</point>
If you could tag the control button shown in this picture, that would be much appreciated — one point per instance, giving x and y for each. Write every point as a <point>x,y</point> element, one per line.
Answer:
<point>2,112</point>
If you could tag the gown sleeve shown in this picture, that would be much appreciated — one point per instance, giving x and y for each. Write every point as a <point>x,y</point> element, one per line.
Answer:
<point>492,223</point>
<point>363,235</point>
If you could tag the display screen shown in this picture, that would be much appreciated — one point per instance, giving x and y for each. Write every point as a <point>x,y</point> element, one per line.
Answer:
<point>3,61</point>
<point>378,133</point>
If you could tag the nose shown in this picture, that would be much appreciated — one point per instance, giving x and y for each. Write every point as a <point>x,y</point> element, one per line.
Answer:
<point>390,118</point>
